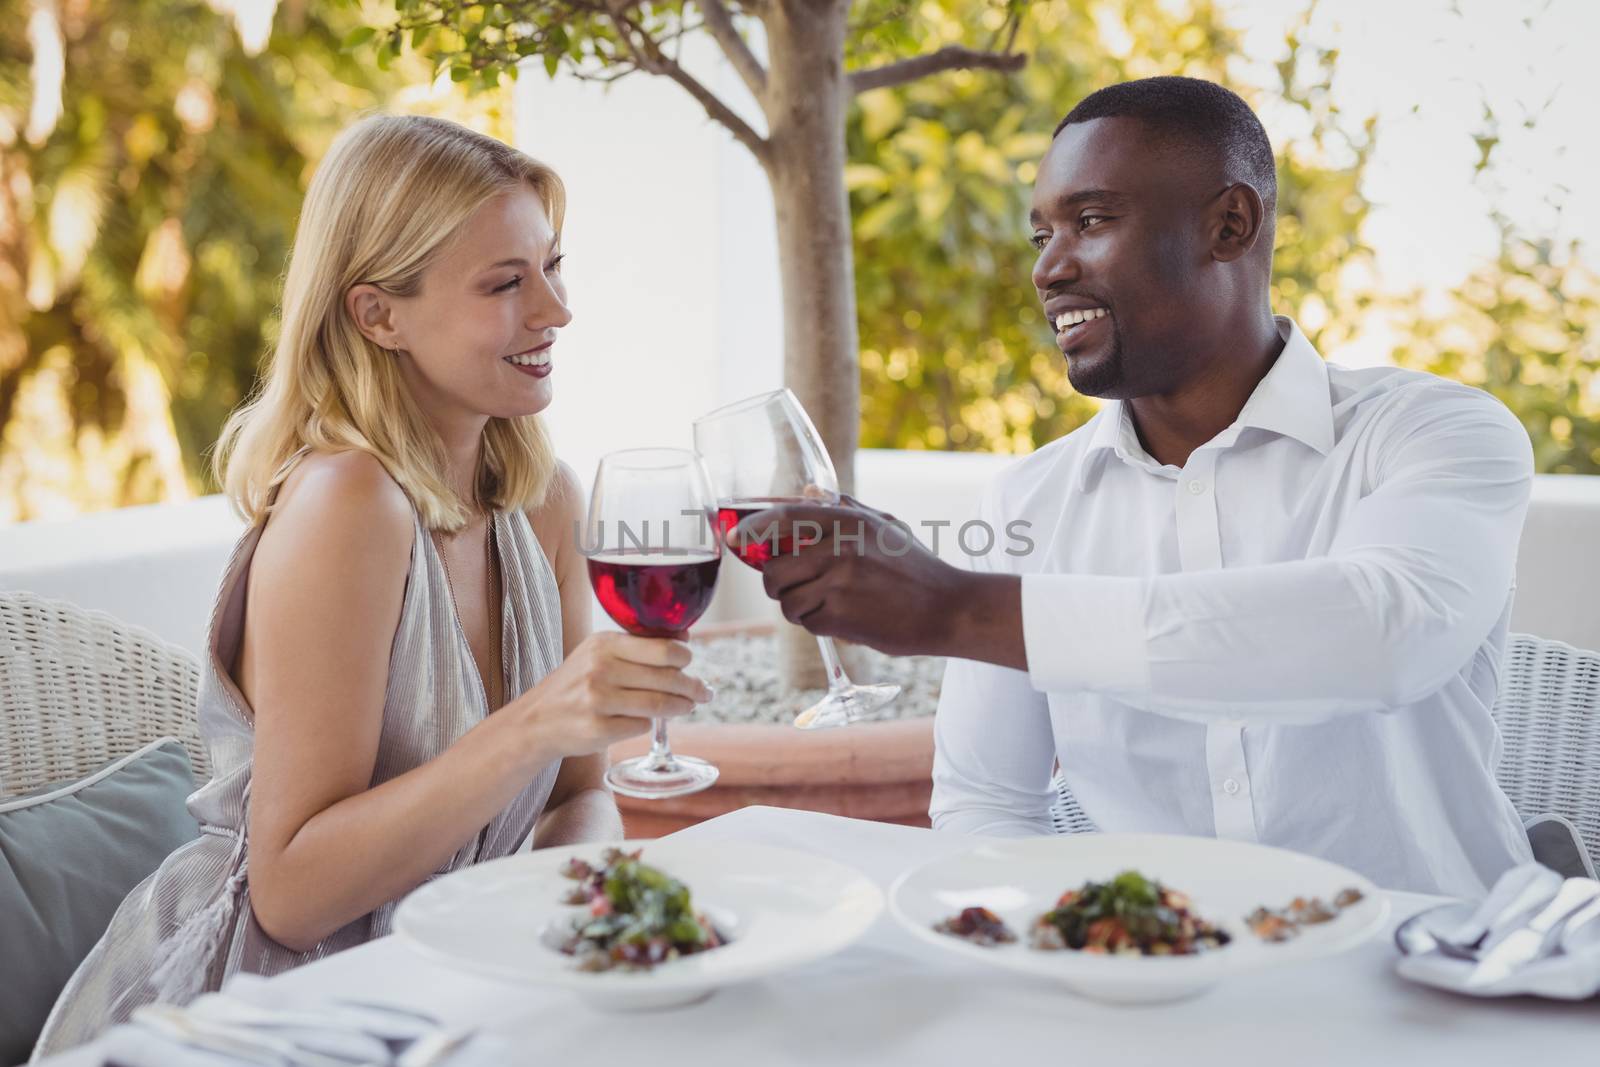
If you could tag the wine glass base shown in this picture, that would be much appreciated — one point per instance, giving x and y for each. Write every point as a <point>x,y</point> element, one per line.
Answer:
<point>648,779</point>
<point>848,704</point>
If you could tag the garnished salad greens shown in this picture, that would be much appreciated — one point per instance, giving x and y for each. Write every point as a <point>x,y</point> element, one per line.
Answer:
<point>1131,915</point>
<point>637,915</point>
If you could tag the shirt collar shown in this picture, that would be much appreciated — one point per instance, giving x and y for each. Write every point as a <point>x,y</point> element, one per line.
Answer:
<point>1292,400</point>
<point>1113,433</point>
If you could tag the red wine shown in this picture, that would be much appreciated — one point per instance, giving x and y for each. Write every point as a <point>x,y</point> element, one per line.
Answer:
<point>654,594</point>
<point>755,554</point>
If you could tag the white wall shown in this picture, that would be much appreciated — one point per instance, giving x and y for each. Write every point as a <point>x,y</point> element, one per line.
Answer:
<point>1558,561</point>
<point>672,263</point>
<point>672,257</point>
<point>157,567</point>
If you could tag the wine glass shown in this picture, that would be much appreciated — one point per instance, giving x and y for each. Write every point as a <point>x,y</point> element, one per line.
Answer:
<point>653,558</point>
<point>762,452</point>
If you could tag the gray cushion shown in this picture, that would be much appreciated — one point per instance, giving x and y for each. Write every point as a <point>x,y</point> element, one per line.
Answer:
<point>1557,844</point>
<point>68,856</point>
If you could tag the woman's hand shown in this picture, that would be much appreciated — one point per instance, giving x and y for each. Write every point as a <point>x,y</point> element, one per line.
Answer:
<point>607,689</point>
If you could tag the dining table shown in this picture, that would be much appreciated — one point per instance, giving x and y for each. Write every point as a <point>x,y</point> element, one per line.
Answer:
<point>891,1000</point>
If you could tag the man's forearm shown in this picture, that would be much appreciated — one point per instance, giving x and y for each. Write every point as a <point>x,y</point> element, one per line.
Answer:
<point>983,620</point>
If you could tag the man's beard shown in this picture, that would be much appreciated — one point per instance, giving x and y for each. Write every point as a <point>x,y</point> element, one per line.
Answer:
<point>1101,377</point>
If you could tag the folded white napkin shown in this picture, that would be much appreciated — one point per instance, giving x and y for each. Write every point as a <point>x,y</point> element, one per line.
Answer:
<point>133,1046</point>
<point>250,1021</point>
<point>1571,972</point>
<point>1558,977</point>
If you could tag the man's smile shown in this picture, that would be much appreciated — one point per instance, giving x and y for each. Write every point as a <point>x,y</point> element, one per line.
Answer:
<point>1066,320</point>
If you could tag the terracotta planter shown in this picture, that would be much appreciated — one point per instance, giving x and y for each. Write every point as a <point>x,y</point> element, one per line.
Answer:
<point>881,771</point>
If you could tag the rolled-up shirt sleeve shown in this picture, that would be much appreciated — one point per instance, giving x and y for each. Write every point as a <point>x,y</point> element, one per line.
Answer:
<point>1411,585</point>
<point>994,749</point>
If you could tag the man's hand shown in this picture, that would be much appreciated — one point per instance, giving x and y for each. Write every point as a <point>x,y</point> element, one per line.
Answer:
<point>851,572</point>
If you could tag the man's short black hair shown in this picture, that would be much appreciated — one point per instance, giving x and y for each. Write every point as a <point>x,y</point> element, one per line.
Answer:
<point>1200,114</point>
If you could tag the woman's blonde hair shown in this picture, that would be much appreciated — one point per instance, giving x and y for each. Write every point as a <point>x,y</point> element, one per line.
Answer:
<point>390,193</point>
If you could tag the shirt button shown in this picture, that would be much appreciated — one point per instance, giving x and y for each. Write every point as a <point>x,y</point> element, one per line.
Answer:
<point>1197,487</point>
<point>1230,786</point>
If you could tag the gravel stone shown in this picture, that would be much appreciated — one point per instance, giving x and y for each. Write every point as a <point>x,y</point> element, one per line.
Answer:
<point>744,672</point>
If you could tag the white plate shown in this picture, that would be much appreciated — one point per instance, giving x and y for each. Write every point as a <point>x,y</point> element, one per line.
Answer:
<point>1020,879</point>
<point>779,907</point>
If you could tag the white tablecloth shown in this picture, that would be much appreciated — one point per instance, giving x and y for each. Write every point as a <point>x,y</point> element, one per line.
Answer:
<point>889,1000</point>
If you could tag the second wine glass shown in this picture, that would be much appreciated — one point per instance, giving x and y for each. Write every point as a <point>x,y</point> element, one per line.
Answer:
<point>653,559</point>
<point>762,452</point>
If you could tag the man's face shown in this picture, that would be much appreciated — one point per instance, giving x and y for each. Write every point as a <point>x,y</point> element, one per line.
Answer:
<point>1120,224</point>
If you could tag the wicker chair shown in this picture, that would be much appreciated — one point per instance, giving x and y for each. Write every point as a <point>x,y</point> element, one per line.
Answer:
<point>78,689</point>
<point>1548,710</point>
<point>1065,815</point>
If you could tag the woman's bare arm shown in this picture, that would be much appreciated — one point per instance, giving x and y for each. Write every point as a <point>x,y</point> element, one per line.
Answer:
<point>580,807</point>
<point>326,588</point>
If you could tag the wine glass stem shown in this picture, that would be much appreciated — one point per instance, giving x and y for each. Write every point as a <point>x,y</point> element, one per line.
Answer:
<point>837,679</point>
<point>660,757</point>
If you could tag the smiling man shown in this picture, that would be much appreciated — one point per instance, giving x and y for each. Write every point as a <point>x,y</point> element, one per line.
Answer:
<point>1267,595</point>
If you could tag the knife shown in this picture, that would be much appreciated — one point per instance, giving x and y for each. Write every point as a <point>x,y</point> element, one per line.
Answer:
<point>1536,938</point>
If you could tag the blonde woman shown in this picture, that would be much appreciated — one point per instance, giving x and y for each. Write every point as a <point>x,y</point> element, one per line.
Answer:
<point>401,680</point>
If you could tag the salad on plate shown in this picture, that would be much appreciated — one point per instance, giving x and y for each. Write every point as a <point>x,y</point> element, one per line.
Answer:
<point>634,916</point>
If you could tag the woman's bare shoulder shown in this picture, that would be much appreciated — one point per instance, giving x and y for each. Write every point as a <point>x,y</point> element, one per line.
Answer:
<point>327,584</point>
<point>338,505</point>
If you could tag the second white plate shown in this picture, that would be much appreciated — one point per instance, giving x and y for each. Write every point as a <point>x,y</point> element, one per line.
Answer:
<point>1020,879</point>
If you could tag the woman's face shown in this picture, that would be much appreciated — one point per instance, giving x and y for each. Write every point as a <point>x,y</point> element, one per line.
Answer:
<point>479,337</point>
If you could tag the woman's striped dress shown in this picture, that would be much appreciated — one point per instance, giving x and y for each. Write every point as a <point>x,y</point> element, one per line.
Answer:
<point>187,927</point>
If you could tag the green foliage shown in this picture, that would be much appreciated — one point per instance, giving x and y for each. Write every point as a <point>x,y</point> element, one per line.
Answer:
<point>480,43</point>
<point>1320,269</point>
<point>955,352</point>
<point>1527,329</point>
<point>142,241</point>
<point>146,235</point>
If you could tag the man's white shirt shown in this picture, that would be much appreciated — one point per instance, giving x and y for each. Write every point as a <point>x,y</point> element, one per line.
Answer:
<point>1293,639</point>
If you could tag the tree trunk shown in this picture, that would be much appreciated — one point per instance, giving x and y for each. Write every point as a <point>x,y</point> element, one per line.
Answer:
<point>807,98</point>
